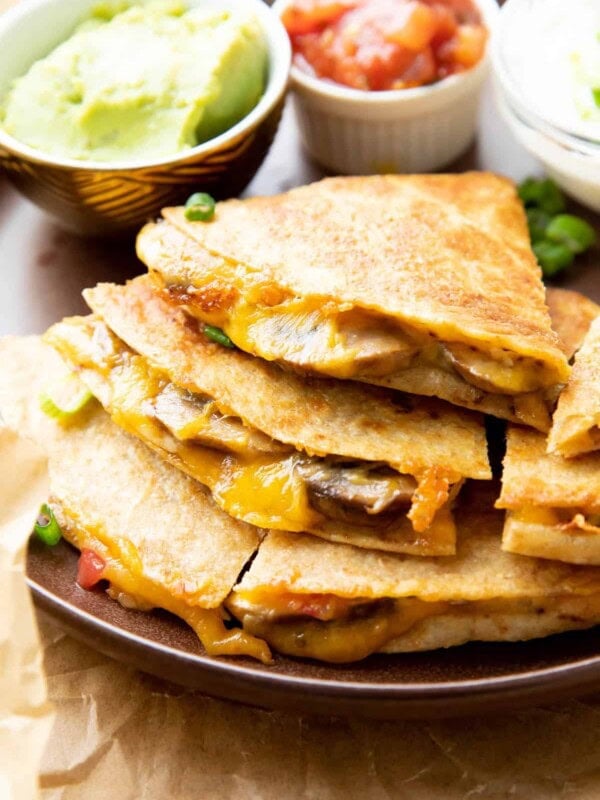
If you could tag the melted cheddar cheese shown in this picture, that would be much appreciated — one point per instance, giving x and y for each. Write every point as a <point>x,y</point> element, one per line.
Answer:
<point>348,342</point>
<point>369,626</point>
<point>251,477</point>
<point>123,569</point>
<point>564,518</point>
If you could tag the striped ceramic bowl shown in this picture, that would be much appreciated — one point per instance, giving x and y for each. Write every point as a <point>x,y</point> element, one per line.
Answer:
<point>100,198</point>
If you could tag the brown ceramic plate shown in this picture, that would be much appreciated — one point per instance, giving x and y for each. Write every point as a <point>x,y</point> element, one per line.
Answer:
<point>460,680</point>
<point>43,273</point>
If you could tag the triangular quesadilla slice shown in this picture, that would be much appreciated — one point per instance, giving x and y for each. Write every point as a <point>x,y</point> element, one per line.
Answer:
<point>140,524</point>
<point>576,422</point>
<point>423,283</point>
<point>553,503</point>
<point>344,461</point>
<point>335,603</point>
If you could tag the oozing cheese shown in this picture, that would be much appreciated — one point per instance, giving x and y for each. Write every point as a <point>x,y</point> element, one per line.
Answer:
<point>354,343</point>
<point>564,518</point>
<point>251,476</point>
<point>124,572</point>
<point>358,632</point>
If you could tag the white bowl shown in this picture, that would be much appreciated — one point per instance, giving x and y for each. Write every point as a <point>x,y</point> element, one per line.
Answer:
<point>569,156</point>
<point>398,131</point>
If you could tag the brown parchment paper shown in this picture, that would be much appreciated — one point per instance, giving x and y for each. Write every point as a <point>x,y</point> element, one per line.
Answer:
<point>120,734</point>
<point>25,715</point>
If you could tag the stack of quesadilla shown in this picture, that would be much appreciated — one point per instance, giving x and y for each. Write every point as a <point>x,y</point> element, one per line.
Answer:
<point>373,320</point>
<point>346,462</point>
<point>152,532</point>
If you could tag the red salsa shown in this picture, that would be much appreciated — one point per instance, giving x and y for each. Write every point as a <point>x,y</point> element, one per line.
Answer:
<point>385,44</point>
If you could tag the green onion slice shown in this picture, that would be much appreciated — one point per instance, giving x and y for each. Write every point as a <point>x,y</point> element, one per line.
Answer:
<point>538,221</point>
<point>596,96</point>
<point>46,526</point>
<point>574,232</point>
<point>65,399</point>
<point>218,336</point>
<point>552,257</point>
<point>200,207</point>
<point>543,194</point>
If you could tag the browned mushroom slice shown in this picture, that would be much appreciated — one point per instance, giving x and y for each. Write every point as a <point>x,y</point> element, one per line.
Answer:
<point>345,346</point>
<point>508,374</point>
<point>357,493</point>
<point>190,416</point>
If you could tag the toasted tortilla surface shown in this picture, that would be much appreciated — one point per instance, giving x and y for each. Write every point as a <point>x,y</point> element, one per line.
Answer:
<point>576,422</point>
<point>571,313</point>
<point>553,501</point>
<point>164,541</point>
<point>433,250</point>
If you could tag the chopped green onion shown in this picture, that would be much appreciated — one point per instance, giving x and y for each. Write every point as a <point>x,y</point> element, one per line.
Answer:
<point>200,206</point>
<point>537,221</point>
<point>543,194</point>
<point>46,526</point>
<point>66,399</point>
<point>218,336</point>
<point>573,232</point>
<point>596,96</point>
<point>552,257</point>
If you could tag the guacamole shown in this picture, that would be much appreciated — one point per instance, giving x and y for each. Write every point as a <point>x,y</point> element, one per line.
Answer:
<point>140,82</point>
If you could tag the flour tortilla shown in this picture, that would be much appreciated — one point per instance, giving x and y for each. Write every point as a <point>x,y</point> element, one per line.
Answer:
<point>576,422</point>
<point>552,500</point>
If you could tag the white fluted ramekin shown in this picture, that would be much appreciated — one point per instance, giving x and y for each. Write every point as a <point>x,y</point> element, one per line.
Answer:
<point>357,132</point>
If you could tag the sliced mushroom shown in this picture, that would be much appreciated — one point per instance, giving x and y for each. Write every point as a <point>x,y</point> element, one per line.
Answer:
<point>192,417</point>
<point>510,375</point>
<point>346,345</point>
<point>360,494</point>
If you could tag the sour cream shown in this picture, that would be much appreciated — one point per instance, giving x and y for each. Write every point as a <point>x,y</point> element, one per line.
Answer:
<point>550,50</point>
<point>547,65</point>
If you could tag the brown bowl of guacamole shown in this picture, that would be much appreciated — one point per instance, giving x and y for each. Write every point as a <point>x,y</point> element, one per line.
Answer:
<point>109,111</point>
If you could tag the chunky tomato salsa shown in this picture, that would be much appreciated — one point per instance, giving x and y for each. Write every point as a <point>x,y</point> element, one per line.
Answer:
<point>385,44</point>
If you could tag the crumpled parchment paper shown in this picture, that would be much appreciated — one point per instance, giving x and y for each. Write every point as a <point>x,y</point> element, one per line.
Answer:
<point>120,734</point>
<point>25,715</point>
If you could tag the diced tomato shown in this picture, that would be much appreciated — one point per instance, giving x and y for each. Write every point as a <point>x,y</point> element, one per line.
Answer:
<point>446,25</point>
<point>470,44</point>
<point>307,16</point>
<point>89,569</point>
<point>385,44</point>
<point>318,606</point>
<point>414,27</point>
<point>421,71</point>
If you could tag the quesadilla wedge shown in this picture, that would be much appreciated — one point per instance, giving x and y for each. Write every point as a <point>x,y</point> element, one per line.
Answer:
<point>336,603</point>
<point>576,422</point>
<point>346,462</point>
<point>553,503</point>
<point>571,313</point>
<point>149,530</point>
<point>423,283</point>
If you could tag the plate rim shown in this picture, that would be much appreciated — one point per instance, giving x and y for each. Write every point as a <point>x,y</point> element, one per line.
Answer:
<point>403,700</point>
